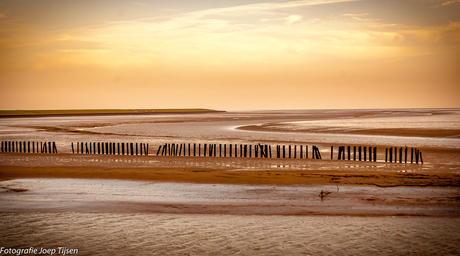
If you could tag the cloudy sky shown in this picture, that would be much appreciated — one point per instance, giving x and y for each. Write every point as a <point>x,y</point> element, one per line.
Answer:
<point>229,54</point>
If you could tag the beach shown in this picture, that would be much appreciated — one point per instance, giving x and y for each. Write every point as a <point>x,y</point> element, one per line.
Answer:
<point>251,189</point>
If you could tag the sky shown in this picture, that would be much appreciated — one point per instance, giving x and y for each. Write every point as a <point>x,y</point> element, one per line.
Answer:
<point>229,54</point>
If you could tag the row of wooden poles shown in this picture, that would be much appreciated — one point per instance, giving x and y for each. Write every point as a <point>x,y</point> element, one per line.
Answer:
<point>355,153</point>
<point>28,147</point>
<point>415,155</point>
<point>214,150</point>
<point>110,148</point>
<point>359,153</point>
<point>235,150</point>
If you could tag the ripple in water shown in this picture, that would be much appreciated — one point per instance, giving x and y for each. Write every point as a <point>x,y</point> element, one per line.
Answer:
<point>169,234</point>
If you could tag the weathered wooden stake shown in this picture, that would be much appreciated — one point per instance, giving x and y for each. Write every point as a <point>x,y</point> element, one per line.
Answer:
<point>405,155</point>
<point>158,151</point>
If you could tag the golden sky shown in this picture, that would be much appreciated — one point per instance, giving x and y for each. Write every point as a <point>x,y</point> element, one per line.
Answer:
<point>229,54</point>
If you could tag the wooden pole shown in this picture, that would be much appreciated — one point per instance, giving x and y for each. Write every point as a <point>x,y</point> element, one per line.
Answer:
<point>158,151</point>
<point>405,155</point>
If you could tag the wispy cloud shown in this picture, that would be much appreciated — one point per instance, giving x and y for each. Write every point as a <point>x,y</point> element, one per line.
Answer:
<point>445,4</point>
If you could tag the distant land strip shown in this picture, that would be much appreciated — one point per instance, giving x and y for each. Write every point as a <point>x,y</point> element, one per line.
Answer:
<point>99,112</point>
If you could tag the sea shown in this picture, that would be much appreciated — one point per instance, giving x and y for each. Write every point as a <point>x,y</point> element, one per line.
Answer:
<point>68,228</point>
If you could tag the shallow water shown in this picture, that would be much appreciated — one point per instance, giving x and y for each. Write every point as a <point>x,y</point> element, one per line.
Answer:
<point>90,195</point>
<point>173,234</point>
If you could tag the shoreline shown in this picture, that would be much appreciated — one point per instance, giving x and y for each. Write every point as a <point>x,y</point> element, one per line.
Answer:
<point>124,112</point>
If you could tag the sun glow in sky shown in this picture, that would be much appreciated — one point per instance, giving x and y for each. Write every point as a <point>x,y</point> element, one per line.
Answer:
<point>229,55</point>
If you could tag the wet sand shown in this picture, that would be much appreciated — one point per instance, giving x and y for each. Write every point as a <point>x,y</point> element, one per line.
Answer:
<point>366,191</point>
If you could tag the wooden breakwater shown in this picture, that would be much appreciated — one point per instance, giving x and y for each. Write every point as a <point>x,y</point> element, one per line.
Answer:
<point>392,153</point>
<point>110,148</point>
<point>351,153</point>
<point>28,147</point>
